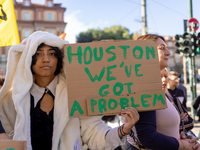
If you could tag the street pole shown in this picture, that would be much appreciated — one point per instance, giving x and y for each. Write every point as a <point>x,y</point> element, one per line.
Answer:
<point>191,61</point>
<point>185,58</point>
<point>144,17</point>
<point>185,70</point>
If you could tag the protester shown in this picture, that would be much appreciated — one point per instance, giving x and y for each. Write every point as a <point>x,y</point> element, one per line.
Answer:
<point>159,129</point>
<point>187,122</point>
<point>36,109</point>
<point>173,90</point>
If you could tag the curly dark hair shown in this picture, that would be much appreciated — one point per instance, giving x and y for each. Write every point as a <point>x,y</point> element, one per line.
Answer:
<point>59,55</point>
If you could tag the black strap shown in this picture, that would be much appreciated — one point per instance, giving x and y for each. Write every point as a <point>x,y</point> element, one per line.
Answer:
<point>139,144</point>
<point>49,92</point>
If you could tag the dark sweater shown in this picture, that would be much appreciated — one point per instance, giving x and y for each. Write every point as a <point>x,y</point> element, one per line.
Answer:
<point>149,137</point>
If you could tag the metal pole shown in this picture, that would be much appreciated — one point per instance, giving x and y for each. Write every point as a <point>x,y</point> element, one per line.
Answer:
<point>192,74</point>
<point>190,9</point>
<point>144,17</point>
<point>185,70</point>
<point>184,58</point>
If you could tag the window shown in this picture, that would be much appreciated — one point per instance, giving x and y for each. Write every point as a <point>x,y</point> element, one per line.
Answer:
<point>169,44</point>
<point>26,15</point>
<point>26,3</point>
<point>49,16</point>
<point>27,32</point>
<point>49,4</point>
<point>50,30</point>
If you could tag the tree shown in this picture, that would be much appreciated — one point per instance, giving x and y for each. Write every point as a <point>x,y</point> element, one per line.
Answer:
<point>114,32</point>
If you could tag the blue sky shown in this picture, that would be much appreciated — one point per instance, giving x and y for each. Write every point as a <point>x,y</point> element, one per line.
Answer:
<point>163,17</point>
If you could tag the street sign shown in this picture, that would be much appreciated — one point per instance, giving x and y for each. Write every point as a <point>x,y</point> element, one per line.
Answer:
<point>193,24</point>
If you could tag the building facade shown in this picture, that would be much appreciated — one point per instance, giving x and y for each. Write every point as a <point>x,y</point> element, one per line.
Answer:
<point>175,60</point>
<point>34,17</point>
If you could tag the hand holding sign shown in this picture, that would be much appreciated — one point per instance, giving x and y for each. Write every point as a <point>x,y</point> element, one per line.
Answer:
<point>131,117</point>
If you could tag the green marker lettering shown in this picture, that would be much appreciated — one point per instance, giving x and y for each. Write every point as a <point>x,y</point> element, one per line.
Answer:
<point>102,105</point>
<point>120,86</point>
<point>110,52</point>
<point>87,71</point>
<point>76,106</point>
<point>122,64</point>
<point>101,93</point>
<point>136,70</point>
<point>150,51</point>
<point>133,103</point>
<point>139,49</point>
<point>87,49</point>
<point>129,86</point>
<point>110,101</point>
<point>124,102</point>
<point>108,77</point>
<point>159,98</point>
<point>70,54</point>
<point>124,47</point>
<point>93,103</point>
<point>144,102</point>
<point>96,58</point>
<point>128,73</point>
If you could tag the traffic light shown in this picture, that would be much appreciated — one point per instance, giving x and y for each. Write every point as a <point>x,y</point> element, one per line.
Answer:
<point>179,44</point>
<point>197,52</point>
<point>187,44</point>
<point>183,42</point>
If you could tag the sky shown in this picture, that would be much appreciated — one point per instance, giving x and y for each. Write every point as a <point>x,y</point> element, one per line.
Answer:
<point>163,17</point>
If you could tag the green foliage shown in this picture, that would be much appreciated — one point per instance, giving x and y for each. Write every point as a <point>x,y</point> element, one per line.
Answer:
<point>114,32</point>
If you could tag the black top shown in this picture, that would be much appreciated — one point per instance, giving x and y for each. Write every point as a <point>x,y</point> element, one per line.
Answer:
<point>1,128</point>
<point>178,93</point>
<point>41,127</point>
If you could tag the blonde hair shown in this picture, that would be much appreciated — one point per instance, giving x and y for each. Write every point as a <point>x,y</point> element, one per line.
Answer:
<point>166,90</point>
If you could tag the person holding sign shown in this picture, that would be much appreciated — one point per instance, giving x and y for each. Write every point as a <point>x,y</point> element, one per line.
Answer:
<point>159,129</point>
<point>34,101</point>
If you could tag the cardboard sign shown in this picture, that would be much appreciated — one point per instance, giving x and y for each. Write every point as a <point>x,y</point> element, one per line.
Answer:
<point>107,76</point>
<point>13,145</point>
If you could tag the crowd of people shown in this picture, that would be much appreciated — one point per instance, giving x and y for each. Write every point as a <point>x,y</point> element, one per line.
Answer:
<point>34,106</point>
